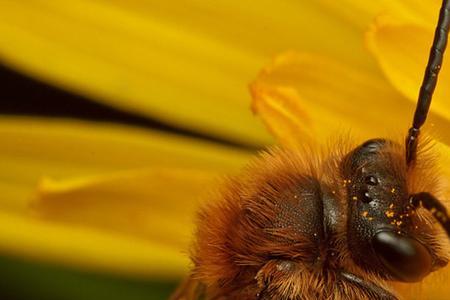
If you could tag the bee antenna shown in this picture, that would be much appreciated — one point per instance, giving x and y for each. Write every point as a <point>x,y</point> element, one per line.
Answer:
<point>431,203</point>
<point>429,81</point>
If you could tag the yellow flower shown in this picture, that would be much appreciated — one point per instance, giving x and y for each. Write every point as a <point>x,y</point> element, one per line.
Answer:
<point>152,57</point>
<point>119,199</point>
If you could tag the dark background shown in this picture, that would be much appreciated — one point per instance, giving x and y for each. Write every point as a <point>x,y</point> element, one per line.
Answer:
<point>22,95</point>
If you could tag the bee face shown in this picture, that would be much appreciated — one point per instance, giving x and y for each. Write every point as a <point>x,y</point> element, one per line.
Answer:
<point>386,234</point>
<point>295,225</point>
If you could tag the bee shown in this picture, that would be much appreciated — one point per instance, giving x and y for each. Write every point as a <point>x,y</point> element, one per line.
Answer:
<point>301,224</point>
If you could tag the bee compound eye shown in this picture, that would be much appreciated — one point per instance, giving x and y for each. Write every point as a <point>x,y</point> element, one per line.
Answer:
<point>404,257</point>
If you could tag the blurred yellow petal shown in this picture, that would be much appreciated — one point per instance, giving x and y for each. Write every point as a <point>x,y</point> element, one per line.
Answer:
<point>154,205</point>
<point>282,113</point>
<point>355,12</point>
<point>82,247</point>
<point>334,96</point>
<point>32,148</point>
<point>402,51</point>
<point>252,27</point>
<point>434,286</point>
<point>109,222</point>
<point>146,216</point>
<point>417,11</point>
<point>183,63</point>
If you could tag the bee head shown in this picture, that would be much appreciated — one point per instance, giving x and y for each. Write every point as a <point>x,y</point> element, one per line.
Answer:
<point>385,231</point>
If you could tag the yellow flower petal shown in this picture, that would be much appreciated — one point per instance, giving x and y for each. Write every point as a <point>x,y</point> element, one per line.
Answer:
<point>357,13</point>
<point>184,63</point>
<point>32,148</point>
<point>137,223</point>
<point>334,96</point>
<point>154,205</point>
<point>418,11</point>
<point>88,249</point>
<point>402,51</point>
<point>282,112</point>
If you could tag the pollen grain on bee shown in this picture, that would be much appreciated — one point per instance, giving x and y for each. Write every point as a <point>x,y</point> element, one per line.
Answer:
<point>389,214</point>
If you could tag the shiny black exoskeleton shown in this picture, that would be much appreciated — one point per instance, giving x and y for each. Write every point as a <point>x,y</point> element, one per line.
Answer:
<point>384,233</point>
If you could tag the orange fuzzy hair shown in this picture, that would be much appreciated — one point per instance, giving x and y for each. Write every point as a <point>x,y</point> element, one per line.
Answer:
<point>254,234</point>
